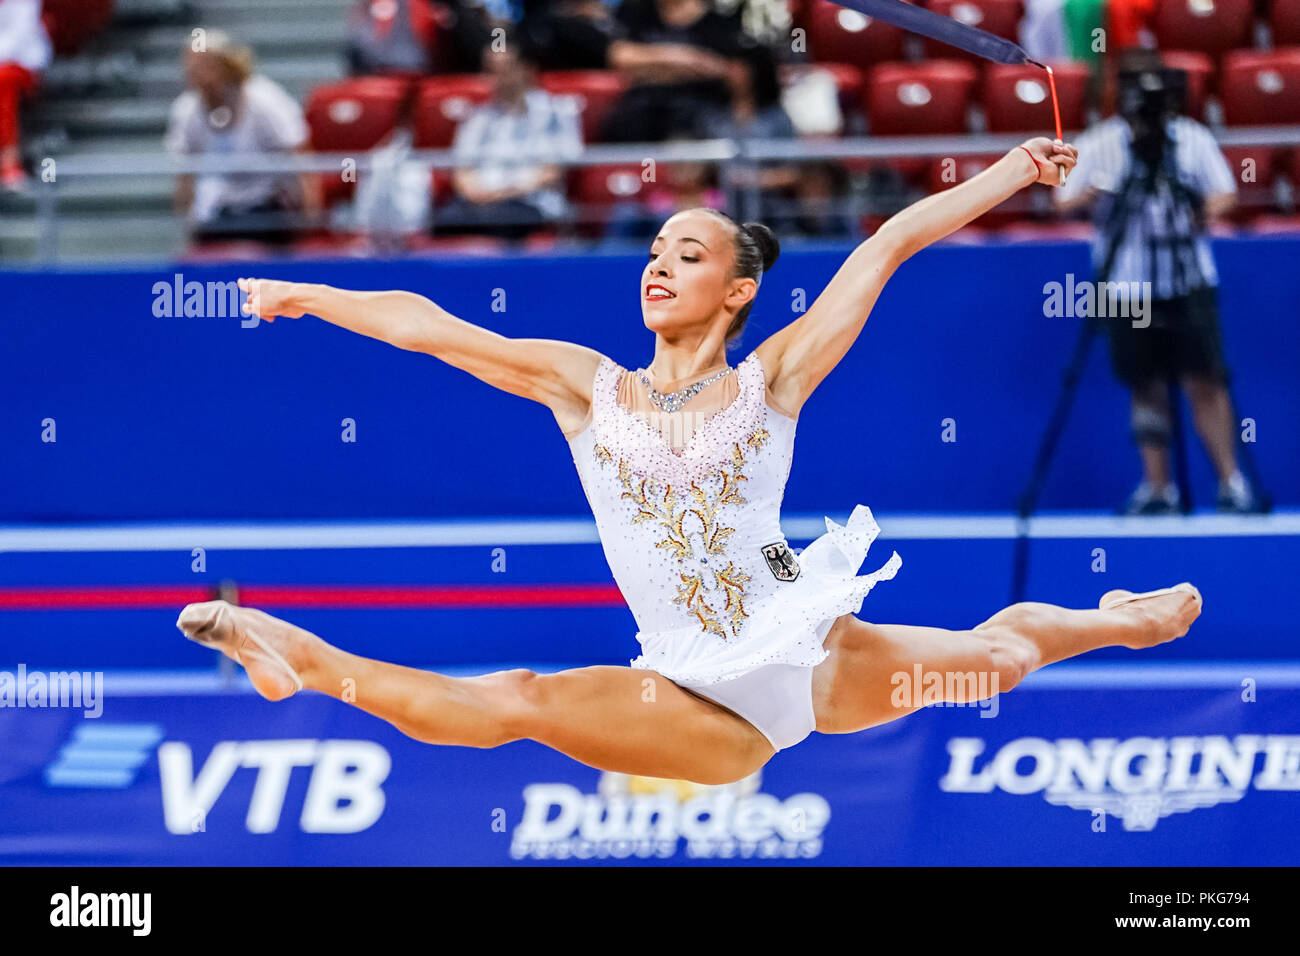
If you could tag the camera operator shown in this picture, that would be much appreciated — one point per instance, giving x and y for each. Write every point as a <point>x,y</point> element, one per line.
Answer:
<point>1154,179</point>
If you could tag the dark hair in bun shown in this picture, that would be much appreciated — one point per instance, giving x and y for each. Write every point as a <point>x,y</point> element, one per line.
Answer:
<point>756,251</point>
<point>765,240</point>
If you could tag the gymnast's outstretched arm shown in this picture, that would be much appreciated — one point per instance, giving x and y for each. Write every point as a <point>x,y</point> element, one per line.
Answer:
<point>804,352</point>
<point>555,373</point>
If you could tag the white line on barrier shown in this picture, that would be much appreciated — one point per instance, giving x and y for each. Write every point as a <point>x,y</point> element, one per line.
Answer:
<point>550,531</point>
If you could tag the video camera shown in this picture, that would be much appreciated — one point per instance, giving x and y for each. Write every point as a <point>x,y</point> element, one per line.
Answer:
<point>1148,98</point>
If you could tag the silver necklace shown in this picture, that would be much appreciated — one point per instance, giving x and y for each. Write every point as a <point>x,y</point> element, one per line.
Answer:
<point>672,401</point>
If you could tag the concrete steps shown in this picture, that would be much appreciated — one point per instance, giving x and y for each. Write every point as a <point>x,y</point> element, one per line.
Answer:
<point>115,96</point>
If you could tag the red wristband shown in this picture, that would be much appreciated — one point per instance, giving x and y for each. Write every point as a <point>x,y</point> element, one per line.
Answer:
<point>1037,165</point>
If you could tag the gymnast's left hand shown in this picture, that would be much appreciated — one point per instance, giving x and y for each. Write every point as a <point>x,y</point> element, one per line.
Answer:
<point>270,298</point>
<point>1053,158</point>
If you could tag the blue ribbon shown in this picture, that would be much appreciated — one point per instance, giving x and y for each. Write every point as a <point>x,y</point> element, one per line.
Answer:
<point>936,26</point>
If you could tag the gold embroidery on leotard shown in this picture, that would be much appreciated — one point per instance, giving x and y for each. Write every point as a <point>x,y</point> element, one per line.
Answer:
<point>670,513</point>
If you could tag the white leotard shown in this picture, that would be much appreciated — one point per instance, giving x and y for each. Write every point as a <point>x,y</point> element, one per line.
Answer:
<point>688,506</point>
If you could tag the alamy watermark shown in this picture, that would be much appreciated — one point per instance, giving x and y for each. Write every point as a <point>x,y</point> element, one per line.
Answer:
<point>203,300</point>
<point>83,689</point>
<point>922,688</point>
<point>1104,300</point>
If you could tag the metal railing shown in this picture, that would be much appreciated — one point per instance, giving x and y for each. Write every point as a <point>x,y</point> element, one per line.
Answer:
<point>736,160</point>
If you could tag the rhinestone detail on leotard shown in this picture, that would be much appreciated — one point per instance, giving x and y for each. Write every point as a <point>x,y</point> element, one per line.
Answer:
<point>690,495</point>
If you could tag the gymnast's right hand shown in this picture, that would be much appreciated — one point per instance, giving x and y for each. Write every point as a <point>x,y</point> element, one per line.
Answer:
<point>270,298</point>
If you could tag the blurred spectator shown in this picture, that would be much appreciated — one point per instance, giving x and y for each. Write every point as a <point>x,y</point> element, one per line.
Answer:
<point>808,198</point>
<point>417,36</point>
<point>508,182</point>
<point>391,36</point>
<point>714,69</point>
<point>227,109</point>
<point>573,35</point>
<point>1154,178</point>
<point>684,185</point>
<point>392,198</point>
<point>584,35</point>
<point>24,53</point>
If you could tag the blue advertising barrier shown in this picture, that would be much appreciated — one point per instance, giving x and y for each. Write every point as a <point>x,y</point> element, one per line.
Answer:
<point>112,411</point>
<point>956,573</point>
<point>1073,767</point>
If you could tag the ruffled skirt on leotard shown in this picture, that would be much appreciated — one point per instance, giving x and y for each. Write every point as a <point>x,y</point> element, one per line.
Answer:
<point>786,627</point>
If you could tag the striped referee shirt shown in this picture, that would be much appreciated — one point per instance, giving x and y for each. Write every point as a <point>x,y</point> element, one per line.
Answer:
<point>1161,242</point>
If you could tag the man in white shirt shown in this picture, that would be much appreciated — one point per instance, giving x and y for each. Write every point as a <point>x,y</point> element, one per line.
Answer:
<point>1154,179</point>
<point>230,109</point>
<point>510,181</point>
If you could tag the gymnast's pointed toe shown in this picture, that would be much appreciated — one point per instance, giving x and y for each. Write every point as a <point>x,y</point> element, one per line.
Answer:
<point>265,646</point>
<point>201,622</point>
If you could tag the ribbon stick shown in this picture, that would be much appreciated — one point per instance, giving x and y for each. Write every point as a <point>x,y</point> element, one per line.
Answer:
<point>936,26</point>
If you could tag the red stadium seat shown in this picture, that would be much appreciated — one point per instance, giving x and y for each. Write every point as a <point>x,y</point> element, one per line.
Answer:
<point>999,17</point>
<point>442,102</point>
<point>1286,23</point>
<point>1260,88</point>
<point>70,23</point>
<point>1200,72</point>
<point>610,183</point>
<point>920,98</point>
<point>596,91</point>
<point>596,189</point>
<point>1211,26</point>
<point>837,35</point>
<point>1257,194</point>
<point>1018,99</point>
<point>352,115</point>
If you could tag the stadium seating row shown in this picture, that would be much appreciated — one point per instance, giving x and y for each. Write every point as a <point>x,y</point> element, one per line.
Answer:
<point>932,97</point>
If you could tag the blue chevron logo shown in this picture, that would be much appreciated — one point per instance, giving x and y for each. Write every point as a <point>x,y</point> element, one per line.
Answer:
<point>103,755</point>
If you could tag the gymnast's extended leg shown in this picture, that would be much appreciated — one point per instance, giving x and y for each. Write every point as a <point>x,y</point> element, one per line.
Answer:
<point>610,718</point>
<point>855,687</point>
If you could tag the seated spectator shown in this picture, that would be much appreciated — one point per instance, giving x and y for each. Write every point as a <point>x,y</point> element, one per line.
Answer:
<point>24,53</point>
<point>713,68</point>
<point>509,182</point>
<point>416,36</point>
<point>674,66</point>
<point>393,196</point>
<point>228,108</point>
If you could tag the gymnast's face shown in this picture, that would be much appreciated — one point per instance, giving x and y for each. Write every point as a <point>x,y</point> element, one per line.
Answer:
<point>687,282</point>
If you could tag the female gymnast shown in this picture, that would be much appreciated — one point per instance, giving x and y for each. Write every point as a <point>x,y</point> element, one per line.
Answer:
<point>746,647</point>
